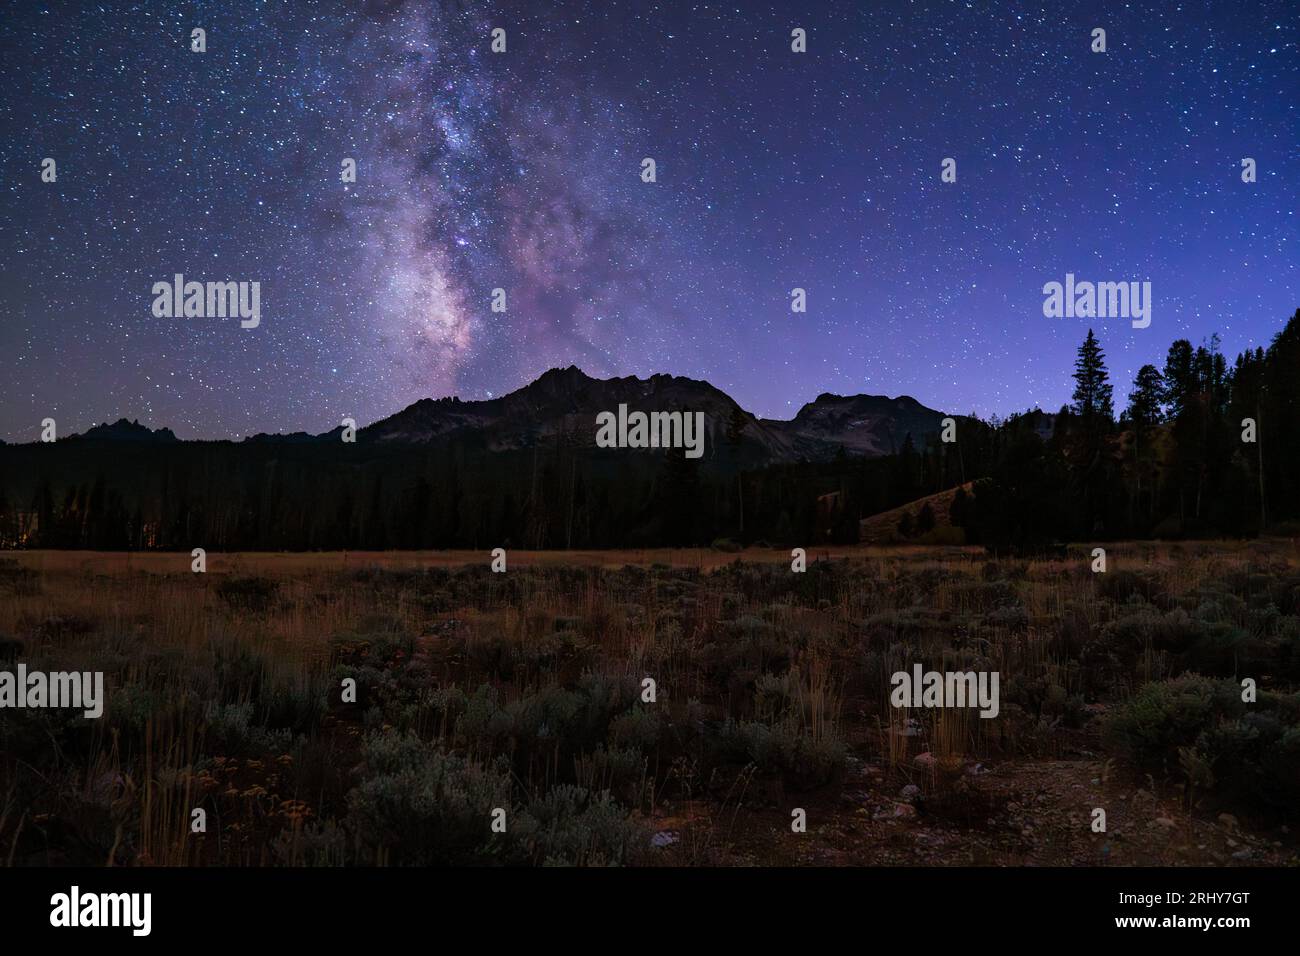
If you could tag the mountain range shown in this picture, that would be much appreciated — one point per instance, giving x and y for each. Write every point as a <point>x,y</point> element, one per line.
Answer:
<point>562,404</point>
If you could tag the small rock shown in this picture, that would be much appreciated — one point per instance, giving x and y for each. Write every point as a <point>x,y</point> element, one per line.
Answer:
<point>900,811</point>
<point>911,790</point>
<point>924,761</point>
<point>1165,822</point>
<point>663,838</point>
<point>1228,820</point>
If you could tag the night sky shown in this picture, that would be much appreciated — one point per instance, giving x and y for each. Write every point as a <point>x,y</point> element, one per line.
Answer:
<point>521,170</point>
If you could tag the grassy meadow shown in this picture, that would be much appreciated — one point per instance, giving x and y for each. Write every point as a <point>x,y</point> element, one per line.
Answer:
<point>519,699</point>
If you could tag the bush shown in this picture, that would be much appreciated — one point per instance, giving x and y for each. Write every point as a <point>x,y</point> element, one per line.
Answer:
<point>1166,715</point>
<point>1252,761</point>
<point>418,805</point>
<point>250,593</point>
<point>782,750</point>
<point>570,826</point>
<point>638,728</point>
<point>1242,754</point>
<point>232,731</point>
<point>1121,585</point>
<point>18,579</point>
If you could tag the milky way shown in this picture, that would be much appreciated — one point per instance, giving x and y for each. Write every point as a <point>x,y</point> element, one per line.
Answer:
<point>521,171</point>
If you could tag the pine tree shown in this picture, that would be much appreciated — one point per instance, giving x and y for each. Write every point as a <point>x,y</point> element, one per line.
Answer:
<point>1144,411</point>
<point>1180,377</point>
<point>1092,390</point>
<point>906,471</point>
<point>1147,397</point>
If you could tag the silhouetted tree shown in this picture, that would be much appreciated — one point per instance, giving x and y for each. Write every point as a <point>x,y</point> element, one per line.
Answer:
<point>1147,398</point>
<point>1180,378</point>
<point>1144,412</point>
<point>1092,390</point>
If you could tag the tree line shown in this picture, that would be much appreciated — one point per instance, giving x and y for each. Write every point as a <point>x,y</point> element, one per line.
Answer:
<point>1173,463</point>
<point>1202,448</point>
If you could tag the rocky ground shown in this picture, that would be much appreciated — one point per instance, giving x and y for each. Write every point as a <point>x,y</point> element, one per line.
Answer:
<point>1009,813</point>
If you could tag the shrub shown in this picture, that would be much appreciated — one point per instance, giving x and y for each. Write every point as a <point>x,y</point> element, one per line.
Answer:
<point>1242,754</point>
<point>1120,585</point>
<point>18,579</point>
<point>419,805</point>
<point>772,696</point>
<point>249,593</point>
<point>620,770</point>
<point>232,731</point>
<point>985,596</point>
<point>297,707</point>
<point>637,728</point>
<point>237,672</point>
<point>1166,715</point>
<point>570,826</point>
<point>801,760</point>
<point>1253,761</point>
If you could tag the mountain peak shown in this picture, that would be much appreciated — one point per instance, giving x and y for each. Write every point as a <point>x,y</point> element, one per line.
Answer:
<point>123,430</point>
<point>562,403</point>
<point>569,375</point>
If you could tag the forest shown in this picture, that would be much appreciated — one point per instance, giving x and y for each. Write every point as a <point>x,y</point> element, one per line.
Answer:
<point>1201,448</point>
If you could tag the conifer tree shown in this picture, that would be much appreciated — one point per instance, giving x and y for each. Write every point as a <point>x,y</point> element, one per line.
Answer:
<point>1092,390</point>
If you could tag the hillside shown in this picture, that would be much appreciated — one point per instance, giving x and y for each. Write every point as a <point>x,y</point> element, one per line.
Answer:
<point>882,528</point>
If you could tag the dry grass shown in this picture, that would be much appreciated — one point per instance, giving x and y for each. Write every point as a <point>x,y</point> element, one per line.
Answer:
<point>724,635</point>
